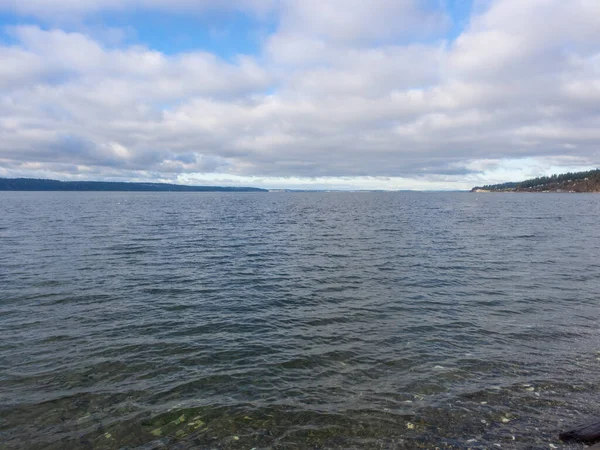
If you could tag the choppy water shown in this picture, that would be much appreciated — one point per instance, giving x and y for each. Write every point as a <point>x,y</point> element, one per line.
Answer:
<point>333,320</point>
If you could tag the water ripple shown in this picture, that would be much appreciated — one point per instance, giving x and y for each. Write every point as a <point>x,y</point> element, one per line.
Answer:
<point>350,320</point>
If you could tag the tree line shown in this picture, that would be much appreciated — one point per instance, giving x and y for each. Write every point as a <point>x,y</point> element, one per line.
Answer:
<point>588,181</point>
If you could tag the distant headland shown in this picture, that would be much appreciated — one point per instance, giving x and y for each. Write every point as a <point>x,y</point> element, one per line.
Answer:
<point>567,182</point>
<point>33,184</point>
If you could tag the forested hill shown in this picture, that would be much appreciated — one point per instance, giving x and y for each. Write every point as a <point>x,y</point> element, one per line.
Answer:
<point>33,184</point>
<point>567,182</point>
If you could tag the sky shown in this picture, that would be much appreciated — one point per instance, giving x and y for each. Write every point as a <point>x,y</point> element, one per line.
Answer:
<point>308,94</point>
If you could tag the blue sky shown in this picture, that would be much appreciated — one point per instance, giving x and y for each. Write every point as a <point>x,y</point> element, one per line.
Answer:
<point>459,12</point>
<point>224,33</point>
<point>387,94</point>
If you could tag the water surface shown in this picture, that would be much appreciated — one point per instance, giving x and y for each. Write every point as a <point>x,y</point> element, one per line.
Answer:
<point>297,320</point>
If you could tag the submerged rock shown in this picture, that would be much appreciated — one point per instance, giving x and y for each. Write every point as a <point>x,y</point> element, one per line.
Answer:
<point>588,433</point>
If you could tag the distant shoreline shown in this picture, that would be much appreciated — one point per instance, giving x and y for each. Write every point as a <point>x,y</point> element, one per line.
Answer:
<point>528,191</point>
<point>40,185</point>
<point>567,183</point>
<point>48,185</point>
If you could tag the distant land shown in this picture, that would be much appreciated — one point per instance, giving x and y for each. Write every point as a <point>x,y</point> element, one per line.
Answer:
<point>567,182</point>
<point>33,184</point>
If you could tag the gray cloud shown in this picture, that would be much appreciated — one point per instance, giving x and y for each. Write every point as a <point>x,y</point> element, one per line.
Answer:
<point>522,81</point>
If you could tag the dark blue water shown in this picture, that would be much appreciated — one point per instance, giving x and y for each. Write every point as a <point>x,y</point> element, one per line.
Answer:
<point>309,320</point>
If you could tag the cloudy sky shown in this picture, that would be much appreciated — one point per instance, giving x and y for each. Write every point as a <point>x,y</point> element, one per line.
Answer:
<point>382,94</point>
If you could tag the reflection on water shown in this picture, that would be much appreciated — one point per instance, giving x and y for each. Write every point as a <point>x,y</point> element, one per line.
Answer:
<point>339,320</point>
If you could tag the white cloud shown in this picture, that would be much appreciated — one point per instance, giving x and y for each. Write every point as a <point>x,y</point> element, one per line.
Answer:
<point>70,58</point>
<point>356,21</point>
<point>514,39</point>
<point>343,95</point>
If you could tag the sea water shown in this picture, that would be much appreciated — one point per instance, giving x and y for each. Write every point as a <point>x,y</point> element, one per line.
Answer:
<point>297,320</point>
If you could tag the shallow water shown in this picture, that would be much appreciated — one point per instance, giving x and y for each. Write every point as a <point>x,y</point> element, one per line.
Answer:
<point>297,320</point>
